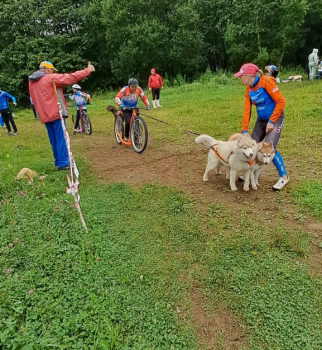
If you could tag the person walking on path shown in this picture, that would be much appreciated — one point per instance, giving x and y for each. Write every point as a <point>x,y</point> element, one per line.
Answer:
<point>313,63</point>
<point>263,92</point>
<point>154,84</point>
<point>42,86</point>
<point>6,112</point>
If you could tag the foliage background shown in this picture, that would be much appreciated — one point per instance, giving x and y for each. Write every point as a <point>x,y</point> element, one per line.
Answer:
<point>125,39</point>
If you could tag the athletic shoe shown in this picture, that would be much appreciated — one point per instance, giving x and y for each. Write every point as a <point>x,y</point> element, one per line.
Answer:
<point>67,167</point>
<point>9,134</point>
<point>126,139</point>
<point>75,132</point>
<point>14,134</point>
<point>280,184</point>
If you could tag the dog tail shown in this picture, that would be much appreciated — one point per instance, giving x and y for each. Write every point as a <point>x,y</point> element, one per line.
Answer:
<point>208,141</point>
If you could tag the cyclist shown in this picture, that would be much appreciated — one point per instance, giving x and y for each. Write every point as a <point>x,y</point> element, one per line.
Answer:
<point>128,98</point>
<point>81,99</point>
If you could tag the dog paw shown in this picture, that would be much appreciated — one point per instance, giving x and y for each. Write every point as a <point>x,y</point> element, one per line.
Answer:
<point>246,188</point>
<point>254,188</point>
<point>233,188</point>
<point>205,179</point>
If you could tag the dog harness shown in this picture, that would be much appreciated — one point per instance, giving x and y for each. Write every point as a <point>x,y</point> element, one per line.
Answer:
<point>250,162</point>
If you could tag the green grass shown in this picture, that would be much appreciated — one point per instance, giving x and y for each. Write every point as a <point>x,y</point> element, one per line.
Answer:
<point>119,286</point>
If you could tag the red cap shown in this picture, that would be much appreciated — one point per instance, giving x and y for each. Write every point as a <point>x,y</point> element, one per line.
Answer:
<point>247,68</point>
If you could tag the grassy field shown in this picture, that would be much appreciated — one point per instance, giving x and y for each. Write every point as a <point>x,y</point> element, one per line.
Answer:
<point>129,282</point>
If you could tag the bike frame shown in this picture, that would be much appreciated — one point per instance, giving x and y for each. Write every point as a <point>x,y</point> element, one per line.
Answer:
<point>134,113</point>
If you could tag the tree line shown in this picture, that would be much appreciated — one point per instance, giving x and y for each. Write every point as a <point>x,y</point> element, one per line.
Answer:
<point>176,37</point>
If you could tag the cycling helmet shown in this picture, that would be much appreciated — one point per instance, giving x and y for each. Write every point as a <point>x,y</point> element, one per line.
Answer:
<point>76,87</point>
<point>133,82</point>
<point>273,70</point>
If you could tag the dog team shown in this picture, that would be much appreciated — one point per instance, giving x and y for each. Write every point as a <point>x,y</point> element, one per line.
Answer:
<point>244,154</point>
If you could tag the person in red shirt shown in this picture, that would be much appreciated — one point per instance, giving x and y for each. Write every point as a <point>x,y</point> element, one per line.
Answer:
<point>154,84</point>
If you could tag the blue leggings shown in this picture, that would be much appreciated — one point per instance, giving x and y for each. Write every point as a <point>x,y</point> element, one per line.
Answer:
<point>259,134</point>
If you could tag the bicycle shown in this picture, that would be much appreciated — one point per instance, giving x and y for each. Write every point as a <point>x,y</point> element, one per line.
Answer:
<point>138,137</point>
<point>84,119</point>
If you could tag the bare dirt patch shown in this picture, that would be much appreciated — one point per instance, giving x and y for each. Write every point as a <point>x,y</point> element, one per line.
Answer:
<point>216,327</point>
<point>182,168</point>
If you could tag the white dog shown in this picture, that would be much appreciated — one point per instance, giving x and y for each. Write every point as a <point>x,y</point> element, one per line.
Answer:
<point>265,153</point>
<point>238,155</point>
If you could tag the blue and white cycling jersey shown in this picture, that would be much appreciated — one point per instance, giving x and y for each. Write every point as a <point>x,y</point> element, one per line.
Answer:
<point>80,99</point>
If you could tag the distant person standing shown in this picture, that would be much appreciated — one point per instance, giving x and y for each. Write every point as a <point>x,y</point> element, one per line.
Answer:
<point>313,63</point>
<point>154,84</point>
<point>42,84</point>
<point>272,72</point>
<point>6,113</point>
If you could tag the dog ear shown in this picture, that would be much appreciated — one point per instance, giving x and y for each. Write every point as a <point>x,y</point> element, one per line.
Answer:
<point>235,137</point>
<point>259,145</point>
<point>270,143</point>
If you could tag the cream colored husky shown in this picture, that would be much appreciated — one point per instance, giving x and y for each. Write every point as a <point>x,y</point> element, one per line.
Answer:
<point>265,154</point>
<point>237,155</point>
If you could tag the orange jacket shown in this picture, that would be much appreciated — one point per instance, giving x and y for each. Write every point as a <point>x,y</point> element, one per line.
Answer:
<point>267,98</point>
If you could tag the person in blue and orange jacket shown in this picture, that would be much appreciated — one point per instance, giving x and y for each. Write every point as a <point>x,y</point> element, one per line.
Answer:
<point>128,97</point>
<point>154,84</point>
<point>262,92</point>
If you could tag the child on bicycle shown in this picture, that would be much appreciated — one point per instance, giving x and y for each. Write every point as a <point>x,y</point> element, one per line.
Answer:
<point>81,99</point>
<point>128,98</point>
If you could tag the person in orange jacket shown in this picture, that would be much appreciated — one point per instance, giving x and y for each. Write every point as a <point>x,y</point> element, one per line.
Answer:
<point>262,92</point>
<point>154,84</point>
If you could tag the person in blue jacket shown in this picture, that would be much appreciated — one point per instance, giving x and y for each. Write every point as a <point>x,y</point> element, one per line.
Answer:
<point>6,113</point>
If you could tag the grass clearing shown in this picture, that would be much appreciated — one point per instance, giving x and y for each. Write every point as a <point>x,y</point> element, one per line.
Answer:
<point>120,286</point>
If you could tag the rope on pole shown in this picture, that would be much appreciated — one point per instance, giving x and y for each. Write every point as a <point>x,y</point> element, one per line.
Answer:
<point>73,185</point>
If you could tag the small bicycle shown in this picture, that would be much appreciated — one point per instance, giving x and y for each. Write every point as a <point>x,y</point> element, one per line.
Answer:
<point>138,137</point>
<point>84,120</point>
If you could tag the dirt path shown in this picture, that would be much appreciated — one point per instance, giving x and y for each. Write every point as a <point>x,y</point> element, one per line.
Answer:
<point>182,168</point>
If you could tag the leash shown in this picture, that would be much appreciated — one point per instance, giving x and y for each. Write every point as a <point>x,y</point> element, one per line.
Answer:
<point>163,122</point>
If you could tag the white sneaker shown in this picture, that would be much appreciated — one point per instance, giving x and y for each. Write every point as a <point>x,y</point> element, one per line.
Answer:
<point>280,184</point>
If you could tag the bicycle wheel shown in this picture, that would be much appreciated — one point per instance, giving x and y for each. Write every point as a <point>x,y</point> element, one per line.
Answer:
<point>139,134</point>
<point>87,123</point>
<point>118,129</point>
